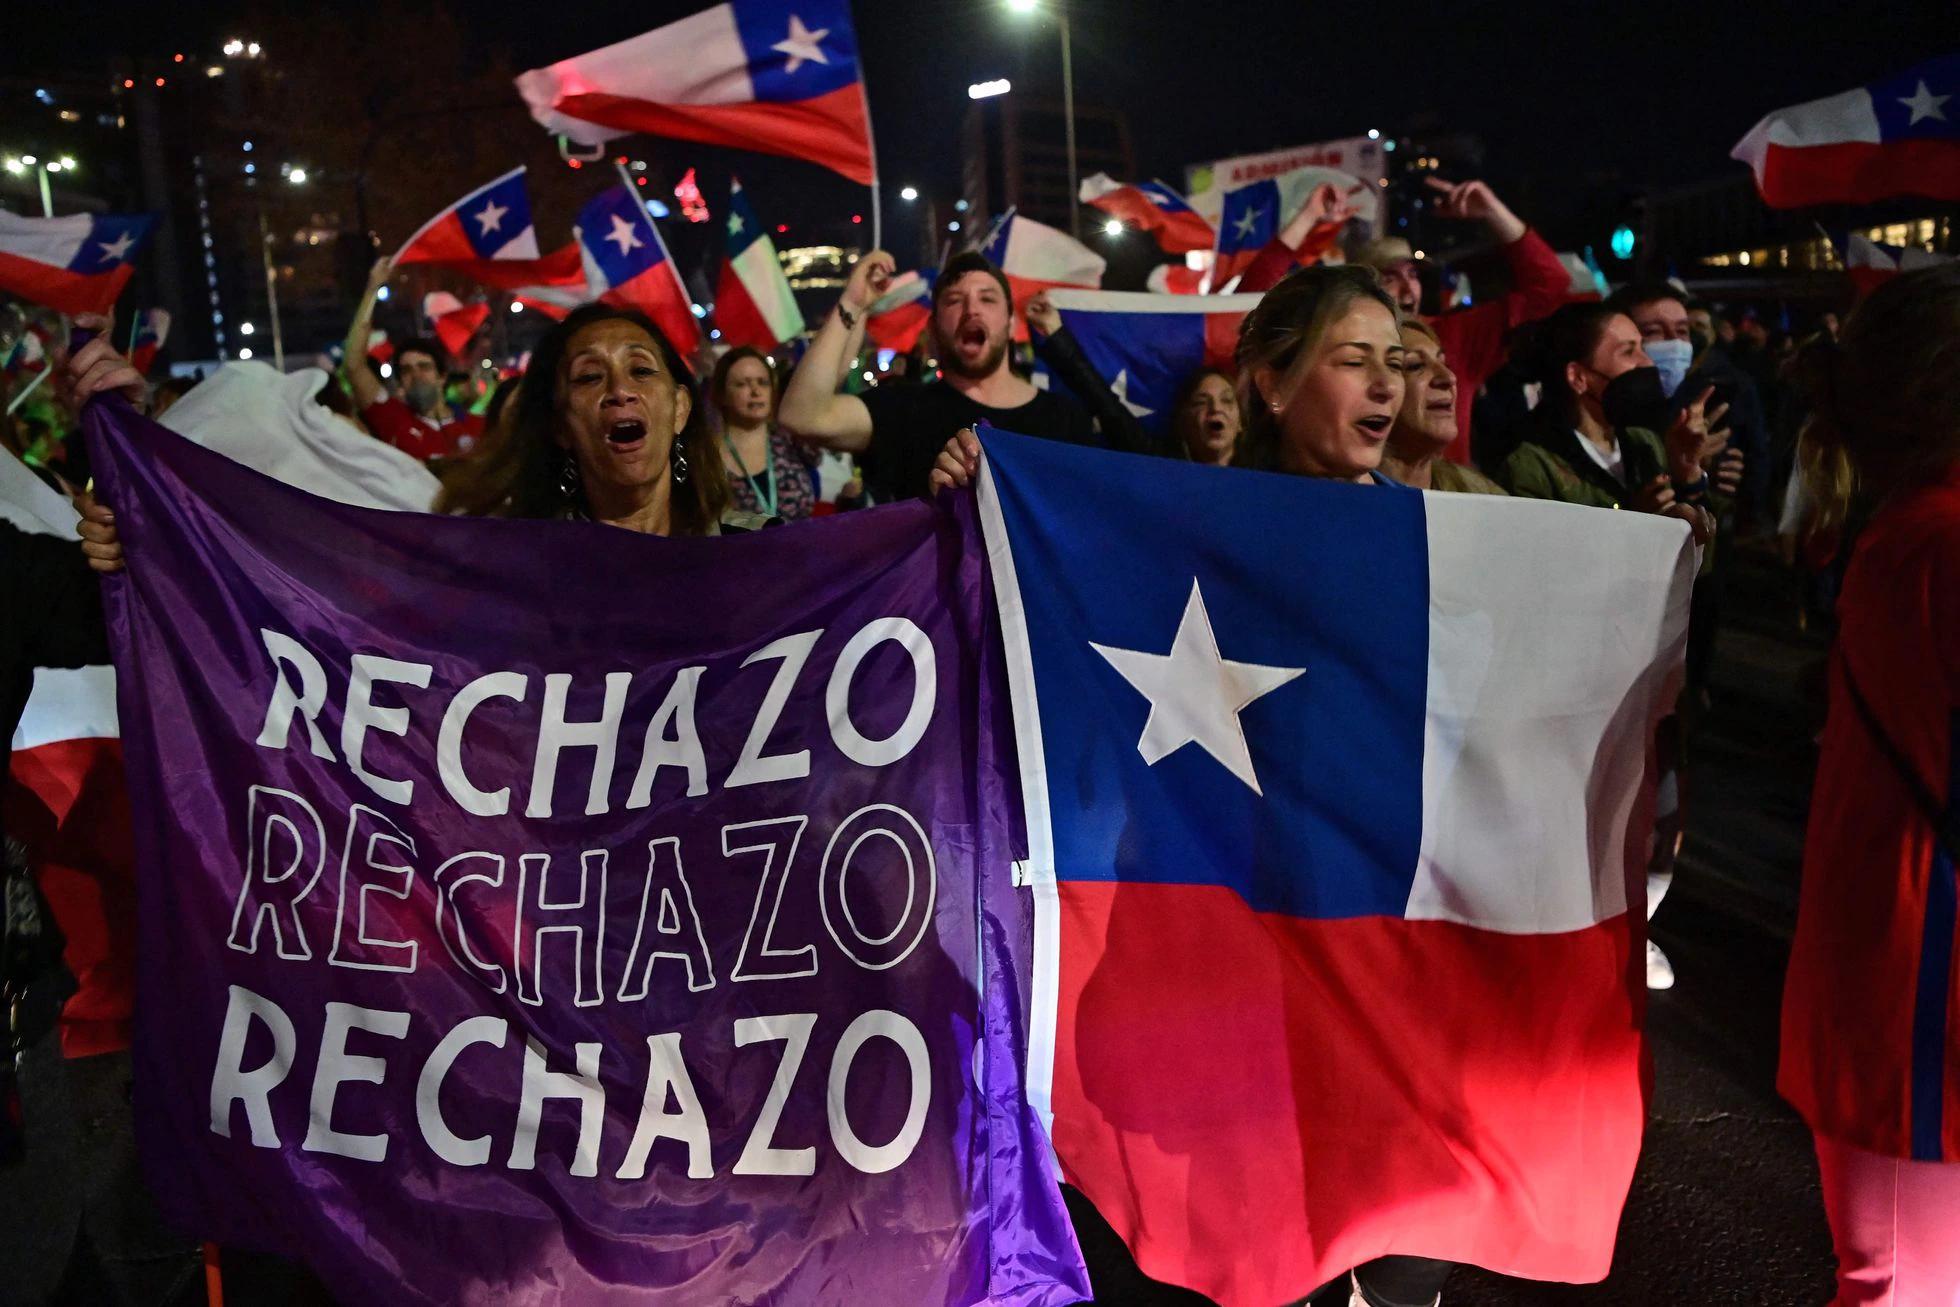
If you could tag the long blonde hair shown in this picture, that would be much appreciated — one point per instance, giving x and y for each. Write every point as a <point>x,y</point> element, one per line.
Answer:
<point>1284,333</point>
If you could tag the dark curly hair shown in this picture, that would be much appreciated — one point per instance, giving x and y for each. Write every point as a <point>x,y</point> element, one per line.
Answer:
<point>1884,399</point>
<point>517,474</point>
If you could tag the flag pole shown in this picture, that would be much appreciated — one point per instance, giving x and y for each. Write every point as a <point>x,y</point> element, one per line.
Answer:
<point>877,205</point>
<point>646,216</point>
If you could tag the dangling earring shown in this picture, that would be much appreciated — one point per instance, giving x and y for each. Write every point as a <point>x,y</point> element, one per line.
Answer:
<point>568,476</point>
<point>680,464</point>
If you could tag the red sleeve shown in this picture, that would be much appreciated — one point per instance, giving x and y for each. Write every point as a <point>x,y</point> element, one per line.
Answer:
<point>1539,282</point>
<point>1267,268</point>
<point>1473,338</point>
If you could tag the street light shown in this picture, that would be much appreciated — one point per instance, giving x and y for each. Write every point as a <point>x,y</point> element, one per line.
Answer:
<point>297,176</point>
<point>1113,228</point>
<point>987,90</point>
<point>1068,108</point>
<point>67,164</point>
<point>18,166</point>
<point>909,193</point>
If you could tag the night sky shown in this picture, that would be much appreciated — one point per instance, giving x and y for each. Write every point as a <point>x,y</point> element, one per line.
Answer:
<point>1565,95</point>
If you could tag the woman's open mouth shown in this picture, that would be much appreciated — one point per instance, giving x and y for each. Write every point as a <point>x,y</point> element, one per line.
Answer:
<point>1376,425</point>
<point>626,432</point>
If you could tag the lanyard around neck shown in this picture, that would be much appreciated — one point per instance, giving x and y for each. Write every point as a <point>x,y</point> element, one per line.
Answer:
<point>766,497</point>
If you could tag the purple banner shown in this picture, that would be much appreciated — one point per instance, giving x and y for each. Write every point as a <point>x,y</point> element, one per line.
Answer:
<point>543,913</point>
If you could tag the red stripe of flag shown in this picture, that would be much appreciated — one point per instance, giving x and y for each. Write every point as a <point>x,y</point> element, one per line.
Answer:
<point>1857,172</point>
<point>1345,1088</point>
<point>829,129</point>
<point>62,290</point>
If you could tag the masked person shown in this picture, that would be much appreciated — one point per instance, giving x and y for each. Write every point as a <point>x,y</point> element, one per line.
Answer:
<point>416,418</point>
<point>898,431</point>
<point>1668,333</point>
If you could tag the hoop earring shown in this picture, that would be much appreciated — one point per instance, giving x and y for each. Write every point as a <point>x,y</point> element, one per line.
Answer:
<point>680,464</point>
<point>568,475</point>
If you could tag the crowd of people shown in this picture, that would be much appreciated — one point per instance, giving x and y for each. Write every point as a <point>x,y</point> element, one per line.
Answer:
<point>1648,401</point>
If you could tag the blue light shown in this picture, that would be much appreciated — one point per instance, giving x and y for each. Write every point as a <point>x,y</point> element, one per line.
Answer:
<point>1623,242</point>
<point>381,294</point>
<point>657,209</point>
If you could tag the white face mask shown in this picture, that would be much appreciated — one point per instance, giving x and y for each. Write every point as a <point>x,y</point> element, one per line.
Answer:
<point>1673,358</point>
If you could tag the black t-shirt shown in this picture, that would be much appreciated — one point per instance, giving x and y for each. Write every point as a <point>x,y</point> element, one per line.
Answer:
<point>911,424</point>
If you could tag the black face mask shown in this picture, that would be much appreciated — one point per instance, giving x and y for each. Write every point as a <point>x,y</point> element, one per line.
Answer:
<point>1636,398</point>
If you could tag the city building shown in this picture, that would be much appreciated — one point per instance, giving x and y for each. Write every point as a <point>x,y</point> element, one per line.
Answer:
<point>1014,154</point>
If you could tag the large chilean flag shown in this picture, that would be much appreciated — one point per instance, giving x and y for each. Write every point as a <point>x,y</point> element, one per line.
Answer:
<point>488,236</point>
<point>1900,136</point>
<point>778,76</point>
<point>1331,833</point>
<point>627,264</point>
<point>754,304</point>
<point>77,263</point>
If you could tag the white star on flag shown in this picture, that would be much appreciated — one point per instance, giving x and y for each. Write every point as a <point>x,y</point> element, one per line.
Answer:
<point>1247,221</point>
<point>1924,104</point>
<point>1195,695</point>
<point>1121,389</point>
<point>734,224</point>
<point>113,251</point>
<point>801,45</point>
<point>623,235</point>
<point>492,217</point>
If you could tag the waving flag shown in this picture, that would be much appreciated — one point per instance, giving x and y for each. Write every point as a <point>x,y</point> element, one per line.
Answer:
<point>455,323</point>
<point>1900,136</point>
<point>66,801</point>
<point>652,1017</point>
<point>753,302</point>
<point>1250,220</point>
<point>1152,207</point>
<point>779,76</point>
<point>78,263</point>
<point>1870,264</point>
<point>147,334</point>
<point>1331,831</point>
<point>1037,257</point>
<point>1145,344</point>
<point>895,320</point>
<point>487,236</point>
<point>626,263</point>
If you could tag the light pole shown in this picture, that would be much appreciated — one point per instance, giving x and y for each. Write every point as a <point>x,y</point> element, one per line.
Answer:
<point>1068,107</point>
<point>294,177</point>
<point>41,167</point>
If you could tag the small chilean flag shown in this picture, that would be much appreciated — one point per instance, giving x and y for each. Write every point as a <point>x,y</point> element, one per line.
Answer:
<point>1146,344</point>
<point>73,264</point>
<point>1152,207</point>
<point>1870,264</point>
<point>778,76</point>
<point>487,236</point>
<point>901,313</point>
<point>753,302</point>
<point>1900,136</point>
<point>627,264</point>
<point>148,332</point>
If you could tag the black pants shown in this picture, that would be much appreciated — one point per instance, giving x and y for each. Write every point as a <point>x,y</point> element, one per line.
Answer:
<point>1402,1281</point>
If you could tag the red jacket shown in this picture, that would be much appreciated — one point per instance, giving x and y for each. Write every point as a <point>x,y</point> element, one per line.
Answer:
<point>1472,338</point>
<point>1871,1010</point>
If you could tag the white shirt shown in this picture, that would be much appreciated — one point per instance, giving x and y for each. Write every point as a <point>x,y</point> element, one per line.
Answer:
<point>1615,463</point>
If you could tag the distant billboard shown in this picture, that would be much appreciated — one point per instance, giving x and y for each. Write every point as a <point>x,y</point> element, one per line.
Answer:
<point>1206,183</point>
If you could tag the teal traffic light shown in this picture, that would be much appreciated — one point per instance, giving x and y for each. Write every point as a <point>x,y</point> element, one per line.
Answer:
<point>1623,242</point>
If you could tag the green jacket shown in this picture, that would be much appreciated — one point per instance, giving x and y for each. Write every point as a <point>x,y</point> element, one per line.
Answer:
<point>1551,465</point>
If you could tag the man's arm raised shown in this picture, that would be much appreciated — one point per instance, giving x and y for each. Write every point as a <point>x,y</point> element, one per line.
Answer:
<point>812,407</point>
<point>354,352</point>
